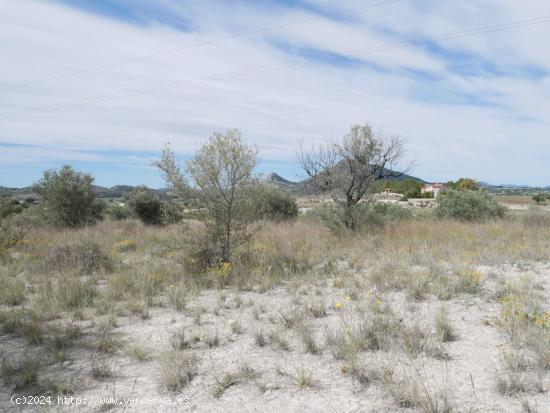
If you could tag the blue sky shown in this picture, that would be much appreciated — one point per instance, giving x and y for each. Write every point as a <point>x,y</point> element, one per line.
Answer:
<point>472,106</point>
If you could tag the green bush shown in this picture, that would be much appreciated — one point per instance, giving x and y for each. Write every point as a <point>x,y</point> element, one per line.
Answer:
<point>10,206</point>
<point>68,197</point>
<point>276,205</point>
<point>539,198</point>
<point>117,212</point>
<point>468,206</point>
<point>146,206</point>
<point>11,232</point>
<point>367,216</point>
<point>409,188</point>
<point>172,212</point>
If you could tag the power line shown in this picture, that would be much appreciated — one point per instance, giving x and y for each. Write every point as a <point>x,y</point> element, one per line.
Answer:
<point>282,65</point>
<point>194,46</point>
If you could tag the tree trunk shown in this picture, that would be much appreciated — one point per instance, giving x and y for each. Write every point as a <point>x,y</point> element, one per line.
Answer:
<point>226,245</point>
<point>349,219</point>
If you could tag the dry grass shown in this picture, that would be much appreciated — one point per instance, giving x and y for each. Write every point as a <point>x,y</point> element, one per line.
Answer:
<point>304,378</point>
<point>411,390</point>
<point>526,327</point>
<point>22,374</point>
<point>65,290</point>
<point>227,380</point>
<point>177,369</point>
<point>443,328</point>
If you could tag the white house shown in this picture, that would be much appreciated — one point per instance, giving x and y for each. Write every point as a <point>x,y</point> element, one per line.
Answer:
<point>434,189</point>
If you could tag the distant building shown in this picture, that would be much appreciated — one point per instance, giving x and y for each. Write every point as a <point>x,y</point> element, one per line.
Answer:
<point>386,196</point>
<point>434,189</point>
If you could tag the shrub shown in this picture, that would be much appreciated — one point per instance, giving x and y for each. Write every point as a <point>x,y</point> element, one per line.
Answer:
<point>409,188</point>
<point>85,257</point>
<point>391,212</point>
<point>10,232</point>
<point>539,198</point>
<point>304,378</point>
<point>172,212</point>
<point>443,328</point>
<point>275,205</point>
<point>12,291</point>
<point>366,216</point>
<point>177,296</point>
<point>177,369</point>
<point>10,206</point>
<point>72,292</point>
<point>22,374</point>
<point>69,197</point>
<point>146,206</point>
<point>23,323</point>
<point>468,206</point>
<point>117,212</point>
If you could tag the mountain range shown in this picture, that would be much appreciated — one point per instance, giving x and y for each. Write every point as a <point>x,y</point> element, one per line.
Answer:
<point>305,187</point>
<point>299,188</point>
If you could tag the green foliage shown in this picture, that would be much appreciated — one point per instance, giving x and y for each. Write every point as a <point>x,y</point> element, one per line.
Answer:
<point>223,174</point>
<point>540,198</point>
<point>366,216</point>
<point>68,197</point>
<point>273,204</point>
<point>10,207</point>
<point>468,206</point>
<point>145,205</point>
<point>391,212</point>
<point>409,188</point>
<point>172,212</point>
<point>463,184</point>
<point>11,232</point>
<point>116,212</point>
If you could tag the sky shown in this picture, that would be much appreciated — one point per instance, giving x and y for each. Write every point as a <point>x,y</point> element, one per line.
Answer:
<point>103,85</point>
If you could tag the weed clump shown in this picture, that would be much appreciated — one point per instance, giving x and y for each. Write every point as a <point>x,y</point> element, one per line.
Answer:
<point>85,257</point>
<point>178,369</point>
<point>124,246</point>
<point>22,374</point>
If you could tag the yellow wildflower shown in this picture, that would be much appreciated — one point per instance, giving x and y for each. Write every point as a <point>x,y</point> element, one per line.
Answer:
<point>543,319</point>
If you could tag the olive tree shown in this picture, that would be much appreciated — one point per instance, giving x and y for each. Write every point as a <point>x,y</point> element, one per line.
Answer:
<point>146,205</point>
<point>222,173</point>
<point>69,197</point>
<point>348,170</point>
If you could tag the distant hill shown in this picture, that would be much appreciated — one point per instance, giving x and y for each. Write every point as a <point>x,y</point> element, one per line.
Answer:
<point>117,191</point>
<point>298,188</point>
<point>120,191</point>
<point>279,181</point>
<point>305,187</point>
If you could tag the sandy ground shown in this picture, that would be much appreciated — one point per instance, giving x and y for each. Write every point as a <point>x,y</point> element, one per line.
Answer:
<point>469,373</point>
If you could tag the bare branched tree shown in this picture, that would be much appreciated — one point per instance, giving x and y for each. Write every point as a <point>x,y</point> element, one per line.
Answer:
<point>347,170</point>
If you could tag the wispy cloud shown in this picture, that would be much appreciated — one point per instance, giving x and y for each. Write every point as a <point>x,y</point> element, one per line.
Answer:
<point>464,105</point>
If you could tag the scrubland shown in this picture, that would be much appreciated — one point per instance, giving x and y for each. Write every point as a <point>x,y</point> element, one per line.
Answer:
<point>425,314</point>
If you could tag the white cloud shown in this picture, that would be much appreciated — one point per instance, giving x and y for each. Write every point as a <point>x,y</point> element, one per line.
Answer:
<point>278,109</point>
